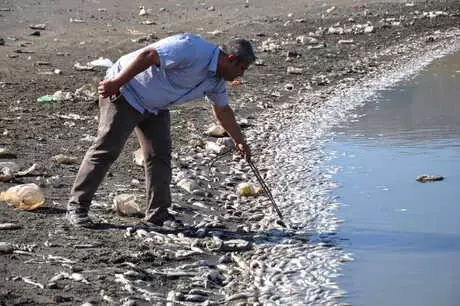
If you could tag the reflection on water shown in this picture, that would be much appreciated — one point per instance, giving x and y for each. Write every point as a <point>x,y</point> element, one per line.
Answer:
<point>401,242</point>
<point>405,235</point>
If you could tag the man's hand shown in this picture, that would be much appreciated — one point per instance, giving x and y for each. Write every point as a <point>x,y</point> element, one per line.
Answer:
<point>108,88</point>
<point>142,61</point>
<point>244,150</point>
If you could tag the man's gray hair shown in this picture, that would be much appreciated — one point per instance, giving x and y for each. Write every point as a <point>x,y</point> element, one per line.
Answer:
<point>241,47</point>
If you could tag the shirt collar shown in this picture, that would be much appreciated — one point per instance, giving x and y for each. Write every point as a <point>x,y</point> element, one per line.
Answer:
<point>215,57</point>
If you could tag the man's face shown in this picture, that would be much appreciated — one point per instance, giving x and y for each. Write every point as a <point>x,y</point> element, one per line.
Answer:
<point>234,68</point>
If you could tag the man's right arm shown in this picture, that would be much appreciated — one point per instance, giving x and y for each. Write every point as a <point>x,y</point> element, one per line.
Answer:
<point>146,58</point>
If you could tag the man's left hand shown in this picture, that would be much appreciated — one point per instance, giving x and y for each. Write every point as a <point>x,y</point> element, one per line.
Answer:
<point>244,150</point>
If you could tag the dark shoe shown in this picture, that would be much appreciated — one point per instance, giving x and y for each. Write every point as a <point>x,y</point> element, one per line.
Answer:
<point>78,218</point>
<point>164,219</point>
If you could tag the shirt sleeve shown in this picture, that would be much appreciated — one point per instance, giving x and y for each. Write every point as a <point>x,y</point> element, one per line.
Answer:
<point>175,51</point>
<point>219,96</point>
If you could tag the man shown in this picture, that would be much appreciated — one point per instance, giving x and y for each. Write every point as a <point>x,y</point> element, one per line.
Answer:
<point>136,94</point>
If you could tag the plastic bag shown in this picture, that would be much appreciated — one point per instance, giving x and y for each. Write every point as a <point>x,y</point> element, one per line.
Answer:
<point>126,205</point>
<point>248,189</point>
<point>24,197</point>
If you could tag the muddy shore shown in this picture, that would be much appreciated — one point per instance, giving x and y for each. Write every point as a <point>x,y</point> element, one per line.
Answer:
<point>303,50</point>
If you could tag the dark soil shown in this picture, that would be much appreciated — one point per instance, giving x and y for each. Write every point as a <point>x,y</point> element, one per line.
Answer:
<point>35,131</point>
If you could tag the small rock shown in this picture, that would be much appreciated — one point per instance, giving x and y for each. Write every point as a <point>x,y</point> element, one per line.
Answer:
<point>227,142</point>
<point>346,42</point>
<point>6,248</point>
<point>75,20</point>
<point>213,147</point>
<point>216,130</point>
<point>40,26</point>
<point>4,153</point>
<point>188,185</point>
<point>196,143</point>
<point>294,70</point>
<point>369,29</point>
<point>302,39</point>
<point>52,285</point>
<point>81,67</point>
<point>141,40</point>
<point>215,32</point>
<point>259,62</point>
<point>142,12</point>
<point>335,30</point>
<point>330,10</point>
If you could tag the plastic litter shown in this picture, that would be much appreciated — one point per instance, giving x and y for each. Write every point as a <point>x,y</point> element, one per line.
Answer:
<point>101,62</point>
<point>125,205</point>
<point>45,99</point>
<point>25,197</point>
<point>248,189</point>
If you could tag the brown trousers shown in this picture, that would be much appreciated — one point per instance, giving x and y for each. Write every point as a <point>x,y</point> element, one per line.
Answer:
<point>116,122</point>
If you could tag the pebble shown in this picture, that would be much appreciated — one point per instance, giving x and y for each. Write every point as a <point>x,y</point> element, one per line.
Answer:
<point>40,26</point>
<point>6,248</point>
<point>294,70</point>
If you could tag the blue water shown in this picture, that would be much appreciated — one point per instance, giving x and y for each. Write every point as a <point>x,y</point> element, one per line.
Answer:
<point>405,235</point>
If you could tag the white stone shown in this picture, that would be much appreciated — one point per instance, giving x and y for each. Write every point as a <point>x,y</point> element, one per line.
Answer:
<point>346,41</point>
<point>213,147</point>
<point>188,185</point>
<point>294,70</point>
<point>216,130</point>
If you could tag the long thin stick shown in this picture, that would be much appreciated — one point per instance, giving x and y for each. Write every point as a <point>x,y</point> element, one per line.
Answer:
<point>265,188</point>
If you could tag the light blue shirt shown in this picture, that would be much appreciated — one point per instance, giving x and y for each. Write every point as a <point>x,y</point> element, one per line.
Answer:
<point>187,72</point>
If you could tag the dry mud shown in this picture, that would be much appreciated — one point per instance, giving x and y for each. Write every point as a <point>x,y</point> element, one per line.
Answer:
<point>232,251</point>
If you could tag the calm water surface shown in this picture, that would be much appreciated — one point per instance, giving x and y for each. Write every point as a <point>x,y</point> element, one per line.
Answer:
<point>405,235</point>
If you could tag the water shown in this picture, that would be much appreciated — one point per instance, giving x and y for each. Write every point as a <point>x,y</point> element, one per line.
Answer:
<point>405,235</point>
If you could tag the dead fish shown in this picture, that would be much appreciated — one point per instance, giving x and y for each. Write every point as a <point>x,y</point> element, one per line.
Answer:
<point>236,245</point>
<point>172,274</point>
<point>216,277</point>
<point>185,253</point>
<point>196,298</point>
<point>60,259</point>
<point>428,178</point>
<point>238,296</point>
<point>9,226</point>
<point>31,282</point>
<point>199,263</point>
